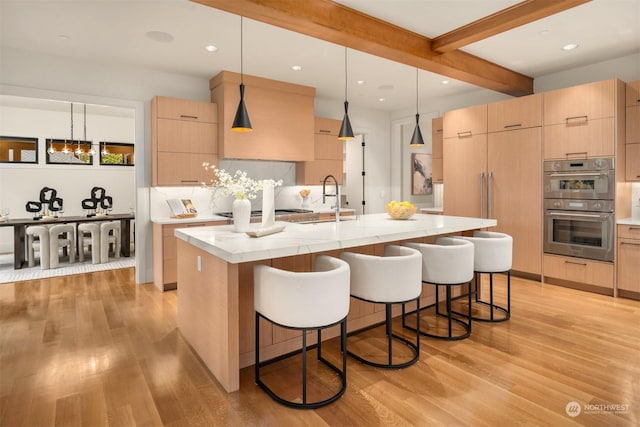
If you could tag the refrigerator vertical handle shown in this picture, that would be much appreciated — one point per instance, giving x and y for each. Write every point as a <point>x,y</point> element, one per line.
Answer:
<point>489,194</point>
<point>481,194</point>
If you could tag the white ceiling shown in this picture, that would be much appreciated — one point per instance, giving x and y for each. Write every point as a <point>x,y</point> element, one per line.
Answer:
<point>114,31</point>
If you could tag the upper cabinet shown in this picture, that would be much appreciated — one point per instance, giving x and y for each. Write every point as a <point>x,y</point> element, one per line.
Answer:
<point>328,155</point>
<point>281,114</point>
<point>517,113</point>
<point>465,122</point>
<point>633,131</point>
<point>184,134</point>
<point>437,137</point>
<point>583,121</point>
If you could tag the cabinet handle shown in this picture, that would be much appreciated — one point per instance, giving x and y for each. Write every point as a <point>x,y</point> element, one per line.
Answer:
<point>188,180</point>
<point>481,194</point>
<point>465,134</point>
<point>513,125</point>
<point>576,263</point>
<point>634,228</point>
<point>440,130</point>
<point>184,116</point>
<point>575,153</point>
<point>489,194</point>
<point>629,243</point>
<point>576,119</point>
<point>324,131</point>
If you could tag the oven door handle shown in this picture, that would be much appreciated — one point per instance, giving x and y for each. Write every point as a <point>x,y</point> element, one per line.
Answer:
<point>579,215</point>
<point>566,175</point>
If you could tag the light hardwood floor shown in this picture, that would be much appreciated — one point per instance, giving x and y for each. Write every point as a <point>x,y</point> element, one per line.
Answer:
<point>97,350</point>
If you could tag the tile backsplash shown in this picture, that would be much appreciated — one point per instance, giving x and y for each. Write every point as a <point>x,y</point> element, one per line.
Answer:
<point>206,201</point>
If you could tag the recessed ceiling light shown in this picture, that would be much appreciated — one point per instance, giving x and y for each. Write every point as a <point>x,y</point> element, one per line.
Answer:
<point>296,67</point>
<point>381,99</point>
<point>63,37</point>
<point>569,46</point>
<point>211,48</point>
<point>444,82</point>
<point>361,82</point>
<point>160,36</point>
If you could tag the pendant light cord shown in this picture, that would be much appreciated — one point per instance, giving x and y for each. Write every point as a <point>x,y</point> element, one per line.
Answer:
<point>345,73</point>
<point>416,90</point>
<point>241,54</point>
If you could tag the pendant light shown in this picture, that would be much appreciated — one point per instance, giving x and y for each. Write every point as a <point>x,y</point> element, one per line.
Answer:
<point>241,122</point>
<point>416,139</point>
<point>346,132</point>
<point>92,151</point>
<point>79,151</point>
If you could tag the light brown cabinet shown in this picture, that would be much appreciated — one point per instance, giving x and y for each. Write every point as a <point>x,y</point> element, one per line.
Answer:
<point>165,257</point>
<point>499,175</point>
<point>582,121</point>
<point>518,113</point>
<point>328,154</point>
<point>281,114</point>
<point>515,193</point>
<point>465,122</point>
<point>628,262</point>
<point>596,275</point>
<point>633,132</point>
<point>183,136</point>
<point>437,138</point>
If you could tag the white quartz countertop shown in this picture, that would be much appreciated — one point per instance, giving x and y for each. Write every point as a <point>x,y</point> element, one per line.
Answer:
<point>628,221</point>
<point>199,218</point>
<point>297,239</point>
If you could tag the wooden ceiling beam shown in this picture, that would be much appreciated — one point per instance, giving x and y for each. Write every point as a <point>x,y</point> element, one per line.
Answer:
<point>499,22</point>
<point>335,23</point>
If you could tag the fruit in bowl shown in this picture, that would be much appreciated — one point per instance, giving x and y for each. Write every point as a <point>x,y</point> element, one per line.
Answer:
<point>400,210</point>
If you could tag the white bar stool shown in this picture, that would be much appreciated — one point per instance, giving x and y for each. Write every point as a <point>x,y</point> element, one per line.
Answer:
<point>304,301</point>
<point>62,236</point>
<point>448,263</point>
<point>89,235</point>
<point>41,245</point>
<point>493,254</point>
<point>395,278</point>
<point>109,234</point>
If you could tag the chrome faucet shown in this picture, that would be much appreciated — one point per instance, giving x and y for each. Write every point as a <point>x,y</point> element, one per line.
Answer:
<point>325,195</point>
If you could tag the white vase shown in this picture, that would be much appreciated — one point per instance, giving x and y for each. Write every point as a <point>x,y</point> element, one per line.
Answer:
<point>305,202</point>
<point>268,204</point>
<point>241,209</point>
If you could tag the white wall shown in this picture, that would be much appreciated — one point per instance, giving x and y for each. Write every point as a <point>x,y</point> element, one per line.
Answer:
<point>24,73</point>
<point>374,126</point>
<point>20,183</point>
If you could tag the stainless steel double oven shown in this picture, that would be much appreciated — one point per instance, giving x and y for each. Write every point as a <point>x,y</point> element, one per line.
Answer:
<point>579,200</point>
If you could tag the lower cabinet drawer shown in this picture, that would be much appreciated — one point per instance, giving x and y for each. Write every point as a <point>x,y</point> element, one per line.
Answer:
<point>579,270</point>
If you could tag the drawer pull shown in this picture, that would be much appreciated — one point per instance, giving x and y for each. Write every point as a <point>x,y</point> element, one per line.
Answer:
<point>633,228</point>
<point>576,263</point>
<point>184,116</point>
<point>513,125</point>
<point>576,119</point>
<point>188,180</point>
<point>324,131</point>
<point>629,243</point>
<point>465,134</point>
<point>576,153</point>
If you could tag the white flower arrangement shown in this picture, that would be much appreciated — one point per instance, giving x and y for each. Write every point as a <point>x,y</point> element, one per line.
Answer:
<point>240,185</point>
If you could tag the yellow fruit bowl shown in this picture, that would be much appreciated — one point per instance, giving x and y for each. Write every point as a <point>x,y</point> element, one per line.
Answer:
<point>400,210</point>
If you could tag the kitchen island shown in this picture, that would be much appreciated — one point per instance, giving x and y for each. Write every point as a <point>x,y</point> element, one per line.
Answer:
<point>215,279</point>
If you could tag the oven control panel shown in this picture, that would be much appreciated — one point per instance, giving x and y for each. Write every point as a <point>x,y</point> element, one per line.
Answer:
<point>579,205</point>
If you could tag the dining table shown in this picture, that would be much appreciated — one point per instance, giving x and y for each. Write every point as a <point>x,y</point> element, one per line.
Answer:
<point>20,226</point>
